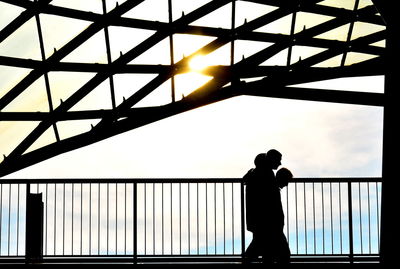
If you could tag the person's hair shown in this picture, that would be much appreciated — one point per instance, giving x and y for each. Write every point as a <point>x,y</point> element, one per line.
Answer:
<point>283,175</point>
<point>273,154</point>
<point>260,159</point>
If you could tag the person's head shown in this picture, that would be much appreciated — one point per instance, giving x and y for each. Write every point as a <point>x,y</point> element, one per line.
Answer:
<point>283,176</point>
<point>260,160</point>
<point>274,158</point>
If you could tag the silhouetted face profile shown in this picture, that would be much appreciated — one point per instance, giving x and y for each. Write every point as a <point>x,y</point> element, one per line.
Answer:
<point>274,158</point>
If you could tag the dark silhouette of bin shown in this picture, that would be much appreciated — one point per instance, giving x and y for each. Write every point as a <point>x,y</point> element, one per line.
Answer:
<point>34,227</point>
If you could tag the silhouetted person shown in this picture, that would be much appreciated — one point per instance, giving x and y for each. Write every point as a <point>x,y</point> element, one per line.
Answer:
<point>264,214</point>
<point>283,176</point>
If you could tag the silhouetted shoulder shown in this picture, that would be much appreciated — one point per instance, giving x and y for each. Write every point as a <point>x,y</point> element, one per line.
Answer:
<point>248,176</point>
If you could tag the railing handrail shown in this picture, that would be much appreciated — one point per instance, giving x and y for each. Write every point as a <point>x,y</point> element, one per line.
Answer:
<point>180,180</point>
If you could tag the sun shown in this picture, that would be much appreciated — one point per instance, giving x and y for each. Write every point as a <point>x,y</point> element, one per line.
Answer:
<point>199,63</point>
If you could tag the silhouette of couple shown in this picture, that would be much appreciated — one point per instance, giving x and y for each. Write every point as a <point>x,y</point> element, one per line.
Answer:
<point>264,213</point>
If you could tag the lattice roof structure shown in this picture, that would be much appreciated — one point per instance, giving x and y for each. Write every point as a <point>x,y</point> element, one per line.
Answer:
<point>298,42</point>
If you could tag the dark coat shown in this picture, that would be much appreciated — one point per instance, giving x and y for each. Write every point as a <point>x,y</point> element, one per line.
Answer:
<point>264,211</point>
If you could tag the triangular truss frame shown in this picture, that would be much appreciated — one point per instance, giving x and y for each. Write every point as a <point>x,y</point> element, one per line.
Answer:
<point>228,81</point>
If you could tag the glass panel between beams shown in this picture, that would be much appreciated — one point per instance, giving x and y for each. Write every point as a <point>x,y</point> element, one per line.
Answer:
<point>340,33</point>
<point>58,31</point>
<point>185,45</point>
<point>8,13</point>
<point>246,48</point>
<point>64,84</point>
<point>10,76</point>
<point>13,133</point>
<point>91,51</point>
<point>128,84</point>
<point>361,29</point>
<point>72,128</point>
<point>23,43</point>
<point>359,84</point>
<point>157,54</point>
<point>87,5</point>
<point>184,7</point>
<point>158,97</point>
<point>97,99</point>
<point>248,11</point>
<point>32,99</point>
<point>151,10</point>
<point>124,39</point>
<point>346,4</point>
<point>48,137</point>
<point>300,53</point>
<point>220,18</point>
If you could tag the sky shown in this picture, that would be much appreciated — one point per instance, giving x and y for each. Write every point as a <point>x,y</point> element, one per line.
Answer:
<point>218,140</point>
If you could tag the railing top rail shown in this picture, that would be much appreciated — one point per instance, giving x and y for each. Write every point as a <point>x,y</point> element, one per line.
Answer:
<point>178,180</point>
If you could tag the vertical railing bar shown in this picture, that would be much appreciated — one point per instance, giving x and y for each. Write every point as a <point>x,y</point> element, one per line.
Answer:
<point>315,237</point>
<point>359,211</point>
<point>46,222</point>
<point>18,222</point>
<point>198,222</point>
<point>377,214</point>
<point>369,220</point>
<point>55,218</point>
<point>215,218</point>
<point>287,215</point>
<point>107,216</point>
<point>305,217</point>
<point>330,201</point>
<point>145,218</point>
<point>125,216</point>
<point>116,218</point>
<point>188,189</point>
<point>90,218</point>
<point>171,220</point>
<point>297,219</point>
<point>340,218</point>
<point>63,230</point>
<point>233,223</point>
<point>9,218</point>
<point>224,216</point>
<point>98,219</point>
<point>81,221</point>
<point>162,218</point>
<point>1,216</point>
<point>206,218</point>
<point>180,219</point>
<point>135,208</point>
<point>350,212</point>
<point>242,219</point>
<point>154,220</point>
<point>323,218</point>
<point>72,218</point>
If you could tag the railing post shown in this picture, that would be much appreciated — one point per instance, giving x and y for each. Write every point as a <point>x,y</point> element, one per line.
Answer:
<point>135,206</point>
<point>350,211</point>
<point>34,227</point>
<point>242,218</point>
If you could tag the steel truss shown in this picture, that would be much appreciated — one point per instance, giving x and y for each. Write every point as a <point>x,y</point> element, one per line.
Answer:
<point>228,81</point>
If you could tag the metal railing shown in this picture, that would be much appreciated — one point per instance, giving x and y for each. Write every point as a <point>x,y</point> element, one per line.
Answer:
<point>156,219</point>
